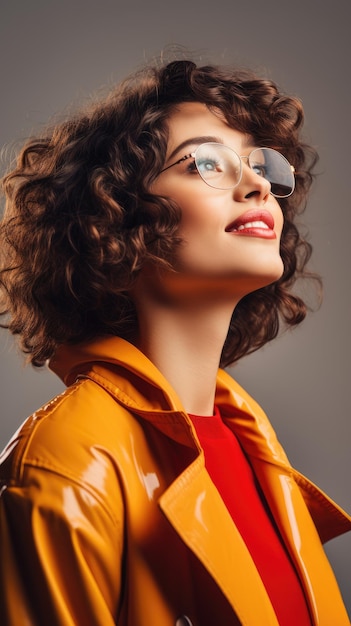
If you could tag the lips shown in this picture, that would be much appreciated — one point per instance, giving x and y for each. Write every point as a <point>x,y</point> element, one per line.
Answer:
<point>253,223</point>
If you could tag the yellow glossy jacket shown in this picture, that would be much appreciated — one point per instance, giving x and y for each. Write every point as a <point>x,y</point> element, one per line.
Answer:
<point>108,515</point>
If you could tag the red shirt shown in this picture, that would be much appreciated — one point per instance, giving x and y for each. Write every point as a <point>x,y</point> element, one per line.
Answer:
<point>239,489</point>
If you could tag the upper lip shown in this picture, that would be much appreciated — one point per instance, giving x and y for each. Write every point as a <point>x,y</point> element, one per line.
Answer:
<point>253,215</point>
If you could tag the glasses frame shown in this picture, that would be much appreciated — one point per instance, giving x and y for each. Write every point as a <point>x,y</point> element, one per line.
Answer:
<point>215,143</point>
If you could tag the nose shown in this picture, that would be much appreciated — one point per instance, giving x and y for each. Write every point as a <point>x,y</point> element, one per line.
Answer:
<point>251,184</point>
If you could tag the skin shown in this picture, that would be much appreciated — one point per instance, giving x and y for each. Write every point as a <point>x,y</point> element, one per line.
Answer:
<point>184,315</point>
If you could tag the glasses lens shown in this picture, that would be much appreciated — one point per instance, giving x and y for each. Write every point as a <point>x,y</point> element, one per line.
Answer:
<point>218,165</point>
<point>275,168</point>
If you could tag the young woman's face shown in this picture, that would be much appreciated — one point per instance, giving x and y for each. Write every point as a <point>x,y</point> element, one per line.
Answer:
<point>231,236</point>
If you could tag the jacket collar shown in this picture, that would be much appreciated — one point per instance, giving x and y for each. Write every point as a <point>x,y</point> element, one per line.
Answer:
<point>122,360</point>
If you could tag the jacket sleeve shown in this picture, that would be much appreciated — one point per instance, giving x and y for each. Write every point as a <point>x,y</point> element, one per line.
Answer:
<point>61,552</point>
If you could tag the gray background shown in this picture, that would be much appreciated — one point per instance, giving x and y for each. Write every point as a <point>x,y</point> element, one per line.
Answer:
<point>59,52</point>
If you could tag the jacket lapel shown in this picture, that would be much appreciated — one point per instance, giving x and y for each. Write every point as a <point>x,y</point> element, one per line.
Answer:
<point>196,511</point>
<point>303,513</point>
<point>301,538</point>
<point>258,439</point>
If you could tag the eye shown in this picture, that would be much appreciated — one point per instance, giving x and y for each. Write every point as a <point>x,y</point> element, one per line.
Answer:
<point>205,166</point>
<point>259,169</point>
<point>209,166</point>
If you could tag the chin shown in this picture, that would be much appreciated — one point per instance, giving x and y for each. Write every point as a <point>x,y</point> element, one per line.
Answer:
<point>271,267</point>
<point>264,278</point>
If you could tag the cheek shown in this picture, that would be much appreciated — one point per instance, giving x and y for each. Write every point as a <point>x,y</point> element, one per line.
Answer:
<point>278,217</point>
<point>201,214</point>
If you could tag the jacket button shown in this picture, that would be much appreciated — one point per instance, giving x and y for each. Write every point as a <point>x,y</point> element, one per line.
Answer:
<point>183,620</point>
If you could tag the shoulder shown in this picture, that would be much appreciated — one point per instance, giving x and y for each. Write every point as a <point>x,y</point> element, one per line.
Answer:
<point>81,428</point>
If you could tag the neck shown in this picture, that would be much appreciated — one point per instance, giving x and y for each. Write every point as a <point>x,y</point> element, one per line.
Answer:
<point>185,344</point>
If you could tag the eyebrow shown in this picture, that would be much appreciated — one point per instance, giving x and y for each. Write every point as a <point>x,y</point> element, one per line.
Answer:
<point>194,141</point>
<point>197,141</point>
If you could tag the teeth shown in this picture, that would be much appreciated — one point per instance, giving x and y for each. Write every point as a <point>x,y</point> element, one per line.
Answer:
<point>257,224</point>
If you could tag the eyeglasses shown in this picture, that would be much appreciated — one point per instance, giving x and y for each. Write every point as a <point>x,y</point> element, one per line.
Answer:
<point>221,167</point>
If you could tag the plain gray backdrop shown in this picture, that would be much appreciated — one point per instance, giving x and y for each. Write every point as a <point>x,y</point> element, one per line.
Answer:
<point>54,53</point>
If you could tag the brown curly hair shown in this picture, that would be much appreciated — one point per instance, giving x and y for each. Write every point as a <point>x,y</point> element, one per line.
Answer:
<point>80,220</point>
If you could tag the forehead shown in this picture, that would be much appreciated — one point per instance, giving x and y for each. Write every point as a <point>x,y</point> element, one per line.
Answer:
<point>192,119</point>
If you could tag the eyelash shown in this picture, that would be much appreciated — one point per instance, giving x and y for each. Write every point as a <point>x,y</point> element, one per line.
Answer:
<point>191,166</point>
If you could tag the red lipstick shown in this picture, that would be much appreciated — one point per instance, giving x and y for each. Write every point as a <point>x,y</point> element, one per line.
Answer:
<point>253,223</point>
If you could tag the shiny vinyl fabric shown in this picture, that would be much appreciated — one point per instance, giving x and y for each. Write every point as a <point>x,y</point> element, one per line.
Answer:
<point>108,515</point>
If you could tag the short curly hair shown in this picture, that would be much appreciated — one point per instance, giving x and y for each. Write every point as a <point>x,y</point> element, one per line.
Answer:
<point>80,220</point>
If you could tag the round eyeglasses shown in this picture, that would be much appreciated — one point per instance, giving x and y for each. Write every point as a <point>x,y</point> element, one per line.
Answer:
<point>221,167</point>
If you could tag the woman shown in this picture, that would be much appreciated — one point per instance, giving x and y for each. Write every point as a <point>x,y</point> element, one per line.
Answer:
<point>146,242</point>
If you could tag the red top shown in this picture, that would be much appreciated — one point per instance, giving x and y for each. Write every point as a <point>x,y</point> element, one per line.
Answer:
<point>234,478</point>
